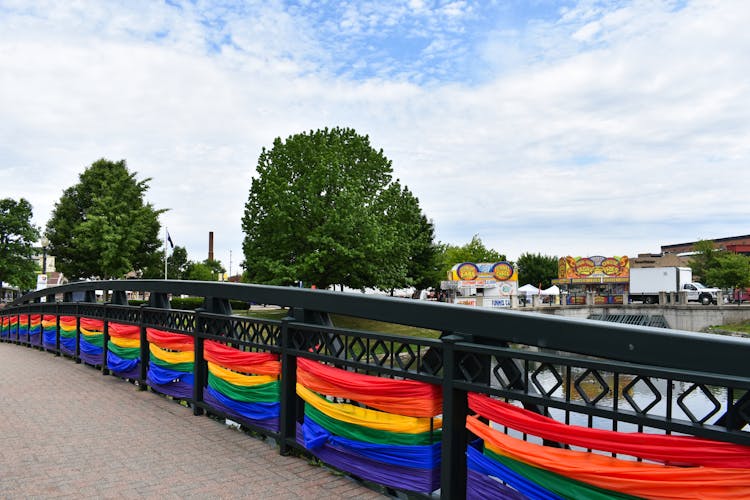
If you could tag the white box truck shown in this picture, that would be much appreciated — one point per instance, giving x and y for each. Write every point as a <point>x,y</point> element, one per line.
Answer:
<point>647,282</point>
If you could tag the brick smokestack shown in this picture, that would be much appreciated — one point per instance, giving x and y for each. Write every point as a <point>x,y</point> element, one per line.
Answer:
<point>210,245</point>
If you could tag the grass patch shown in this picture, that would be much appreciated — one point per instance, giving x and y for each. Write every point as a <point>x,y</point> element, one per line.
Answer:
<point>352,323</point>
<point>741,328</point>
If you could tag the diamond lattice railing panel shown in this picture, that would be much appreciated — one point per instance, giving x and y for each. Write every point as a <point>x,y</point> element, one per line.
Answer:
<point>543,383</point>
<point>638,383</point>
<point>591,381</point>
<point>687,399</point>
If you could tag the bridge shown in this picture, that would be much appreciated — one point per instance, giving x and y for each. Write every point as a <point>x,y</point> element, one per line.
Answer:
<point>499,404</point>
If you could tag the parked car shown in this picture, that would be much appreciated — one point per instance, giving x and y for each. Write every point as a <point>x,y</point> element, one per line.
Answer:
<point>741,295</point>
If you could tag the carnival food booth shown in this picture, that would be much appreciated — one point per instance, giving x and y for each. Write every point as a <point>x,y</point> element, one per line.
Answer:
<point>606,278</point>
<point>482,284</point>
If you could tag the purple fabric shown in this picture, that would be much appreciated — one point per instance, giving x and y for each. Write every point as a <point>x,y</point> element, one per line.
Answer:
<point>481,487</point>
<point>91,359</point>
<point>403,478</point>
<point>271,424</point>
<point>178,390</point>
<point>35,339</point>
<point>133,373</point>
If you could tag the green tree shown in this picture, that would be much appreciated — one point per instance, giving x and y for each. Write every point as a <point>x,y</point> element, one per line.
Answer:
<point>704,259</point>
<point>536,269</point>
<point>177,263</point>
<point>323,209</point>
<point>730,270</point>
<point>17,235</point>
<point>474,251</point>
<point>208,270</point>
<point>101,226</point>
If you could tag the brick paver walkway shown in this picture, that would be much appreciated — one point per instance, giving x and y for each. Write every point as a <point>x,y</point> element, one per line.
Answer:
<point>68,431</point>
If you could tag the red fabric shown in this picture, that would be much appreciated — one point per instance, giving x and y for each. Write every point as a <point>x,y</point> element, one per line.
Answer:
<point>411,397</point>
<point>92,325</point>
<point>170,340</point>
<point>50,317</point>
<point>36,318</point>
<point>673,450</point>
<point>124,331</point>
<point>258,363</point>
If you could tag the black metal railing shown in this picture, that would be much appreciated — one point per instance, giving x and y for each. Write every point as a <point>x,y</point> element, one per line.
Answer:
<point>593,374</point>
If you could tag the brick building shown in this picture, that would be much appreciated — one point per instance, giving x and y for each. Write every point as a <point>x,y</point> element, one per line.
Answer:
<point>736,244</point>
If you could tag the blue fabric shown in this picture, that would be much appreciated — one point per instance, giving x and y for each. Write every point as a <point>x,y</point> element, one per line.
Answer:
<point>49,336</point>
<point>255,411</point>
<point>69,343</point>
<point>422,457</point>
<point>90,348</point>
<point>118,364</point>
<point>163,376</point>
<point>478,462</point>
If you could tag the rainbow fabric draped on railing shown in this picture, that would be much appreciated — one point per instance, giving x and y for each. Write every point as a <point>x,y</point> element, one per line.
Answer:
<point>124,350</point>
<point>389,434</point>
<point>687,468</point>
<point>49,332</point>
<point>68,335</point>
<point>5,327</point>
<point>171,364</point>
<point>91,341</point>
<point>243,385</point>
<point>22,327</point>
<point>35,329</point>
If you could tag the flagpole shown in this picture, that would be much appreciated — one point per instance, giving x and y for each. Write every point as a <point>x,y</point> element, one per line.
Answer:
<point>165,251</point>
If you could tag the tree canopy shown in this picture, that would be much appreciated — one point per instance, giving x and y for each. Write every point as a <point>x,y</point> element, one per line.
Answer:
<point>101,227</point>
<point>729,270</point>
<point>537,269</point>
<point>323,209</point>
<point>704,259</point>
<point>17,235</point>
<point>473,251</point>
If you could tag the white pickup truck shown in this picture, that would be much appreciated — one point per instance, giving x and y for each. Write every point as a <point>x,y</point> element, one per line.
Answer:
<point>698,292</point>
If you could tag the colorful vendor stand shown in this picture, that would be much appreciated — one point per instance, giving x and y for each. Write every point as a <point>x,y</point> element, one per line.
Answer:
<point>606,278</point>
<point>482,284</point>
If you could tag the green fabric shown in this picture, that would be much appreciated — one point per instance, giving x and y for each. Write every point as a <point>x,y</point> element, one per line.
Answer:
<point>361,433</point>
<point>263,393</point>
<point>69,334</point>
<point>179,367</point>
<point>561,485</point>
<point>124,352</point>
<point>97,340</point>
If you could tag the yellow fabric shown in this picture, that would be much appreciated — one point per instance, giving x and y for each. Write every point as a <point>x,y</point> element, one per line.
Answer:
<point>238,378</point>
<point>122,342</point>
<point>90,333</point>
<point>172,357</point>
<point>368,418</point>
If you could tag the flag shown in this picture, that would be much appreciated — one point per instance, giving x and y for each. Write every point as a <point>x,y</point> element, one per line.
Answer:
<point>169,239</point>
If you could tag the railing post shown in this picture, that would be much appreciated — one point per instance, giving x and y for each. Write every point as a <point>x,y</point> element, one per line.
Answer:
<point>57,330</point>
<point>288,390</point>
<point>105,341</point>
<point>77,351</point>
<point>145,352</point>
<point>455,407</point>
<point>211,305</point>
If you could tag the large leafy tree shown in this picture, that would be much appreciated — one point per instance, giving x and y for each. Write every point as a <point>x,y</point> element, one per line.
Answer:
<point>17,235</point>
<point>324,209</point>
<point>730,270</point>
<point>473,251</point>
<point>704,259</point>
<point>177,263</point>
<point>536,269</point>
<point>102,227</point>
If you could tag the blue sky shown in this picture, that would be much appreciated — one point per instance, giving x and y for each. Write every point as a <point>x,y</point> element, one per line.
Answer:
<point>565,128</point>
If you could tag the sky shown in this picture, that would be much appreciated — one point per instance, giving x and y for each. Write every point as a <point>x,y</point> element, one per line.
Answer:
<point>556,127</point>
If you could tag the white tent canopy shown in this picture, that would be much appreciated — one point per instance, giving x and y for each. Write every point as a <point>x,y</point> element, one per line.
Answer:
<point>553,290</point>
<point>528,290</point>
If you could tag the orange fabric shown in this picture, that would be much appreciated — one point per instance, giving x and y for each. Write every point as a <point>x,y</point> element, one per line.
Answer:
<point>257,363</point>
<point>404,397</point>
<point>674,450</point>
<point>92,325</point>
<point>124,331</point>
<point>170,340</point>
<point>36,318</point>
<point>646,480</point>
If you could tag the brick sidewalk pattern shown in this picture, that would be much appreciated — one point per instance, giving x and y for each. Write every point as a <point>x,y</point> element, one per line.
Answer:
<point>67,431</point>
